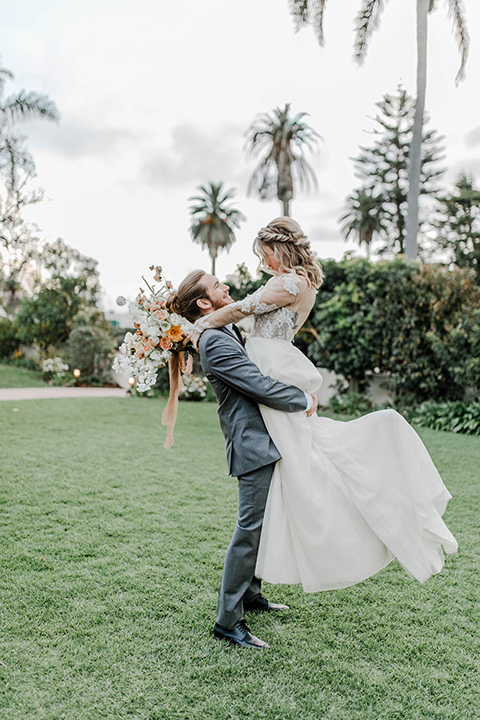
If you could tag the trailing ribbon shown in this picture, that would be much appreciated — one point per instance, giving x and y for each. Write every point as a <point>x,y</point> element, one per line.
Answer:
<point>176,366</point>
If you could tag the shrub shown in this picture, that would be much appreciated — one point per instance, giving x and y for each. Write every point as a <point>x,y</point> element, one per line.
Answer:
<point>457,417</point>
<point>91,349</point>
<point>47,317</point>
<point>352,403</point>
<point>420,324</point>
<point>9,340</point>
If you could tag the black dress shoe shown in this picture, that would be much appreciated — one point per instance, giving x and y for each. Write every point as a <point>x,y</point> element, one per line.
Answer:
<point>239,635</point>
<point>261,603</point>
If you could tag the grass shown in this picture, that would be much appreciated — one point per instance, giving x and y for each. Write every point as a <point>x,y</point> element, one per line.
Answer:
<point>111,554</point>
<point>16,376</point>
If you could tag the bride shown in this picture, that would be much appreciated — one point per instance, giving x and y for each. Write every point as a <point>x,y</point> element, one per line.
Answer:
<point>346,498</point>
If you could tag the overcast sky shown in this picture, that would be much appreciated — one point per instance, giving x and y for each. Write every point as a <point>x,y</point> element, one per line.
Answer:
<point>155,98</point>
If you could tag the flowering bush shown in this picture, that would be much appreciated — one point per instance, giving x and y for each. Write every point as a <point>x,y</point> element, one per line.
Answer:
<point>158,334</point>
<point>54,370</point>
<point>194,388</point>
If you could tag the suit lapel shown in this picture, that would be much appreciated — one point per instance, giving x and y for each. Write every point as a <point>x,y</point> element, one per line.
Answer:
<point>233,334</point>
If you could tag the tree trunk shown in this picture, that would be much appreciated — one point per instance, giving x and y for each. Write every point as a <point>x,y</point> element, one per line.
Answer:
<point>416,144</point>
<point>214,258</point>
<point>286,208</point>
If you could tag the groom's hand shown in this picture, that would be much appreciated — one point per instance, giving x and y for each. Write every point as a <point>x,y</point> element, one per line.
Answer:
<point>313,408</point>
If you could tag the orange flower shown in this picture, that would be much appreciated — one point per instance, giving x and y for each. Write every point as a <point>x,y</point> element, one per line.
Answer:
<point>165,343</point>
<point>175,333</point>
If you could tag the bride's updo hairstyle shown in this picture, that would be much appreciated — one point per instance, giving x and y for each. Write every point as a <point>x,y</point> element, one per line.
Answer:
<point>184,300</point>
<point>290,247</point>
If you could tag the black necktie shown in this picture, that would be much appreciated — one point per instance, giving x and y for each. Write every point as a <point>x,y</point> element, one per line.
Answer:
<point>237,333</point>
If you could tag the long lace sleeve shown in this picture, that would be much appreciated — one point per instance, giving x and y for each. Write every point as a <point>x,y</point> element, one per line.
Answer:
<point>278,292</point>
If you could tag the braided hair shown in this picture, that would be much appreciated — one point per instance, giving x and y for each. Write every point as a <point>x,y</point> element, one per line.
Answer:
<point>291,248</point>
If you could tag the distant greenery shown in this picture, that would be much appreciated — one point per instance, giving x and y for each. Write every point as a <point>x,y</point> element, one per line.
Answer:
<point>112,551</point>
<point>419,324</point>
<point>380,203</point>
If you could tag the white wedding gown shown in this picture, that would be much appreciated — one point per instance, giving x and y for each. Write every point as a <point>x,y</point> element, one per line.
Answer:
<point>347,497</point>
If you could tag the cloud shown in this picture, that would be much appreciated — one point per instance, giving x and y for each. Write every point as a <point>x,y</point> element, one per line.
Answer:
<point>75,139</point>
<point>197,155</point>
<point>472,138</point>
<point>327,232</point>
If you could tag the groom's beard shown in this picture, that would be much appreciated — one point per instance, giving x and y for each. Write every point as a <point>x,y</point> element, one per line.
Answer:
<point>217,304</point>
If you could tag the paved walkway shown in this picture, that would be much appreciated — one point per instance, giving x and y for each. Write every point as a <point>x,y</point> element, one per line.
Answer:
<point>48,393</point>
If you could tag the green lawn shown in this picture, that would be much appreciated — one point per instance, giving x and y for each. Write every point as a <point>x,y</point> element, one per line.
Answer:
<point>15,376</point>
<point>111,553</point>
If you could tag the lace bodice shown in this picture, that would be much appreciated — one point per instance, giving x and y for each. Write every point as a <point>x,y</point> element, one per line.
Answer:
<point>279,324</point>
<point>279,308</point>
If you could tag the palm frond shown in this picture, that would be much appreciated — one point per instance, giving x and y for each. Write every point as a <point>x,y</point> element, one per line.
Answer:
<point>366,22</point>
<point>456,11</point>
<point>309,12</point>
<point>4,74</point>
<point>26,105</point>
<point>299,12</point>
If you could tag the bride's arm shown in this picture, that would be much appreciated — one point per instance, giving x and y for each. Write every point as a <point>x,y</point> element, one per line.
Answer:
<point>278,292</point>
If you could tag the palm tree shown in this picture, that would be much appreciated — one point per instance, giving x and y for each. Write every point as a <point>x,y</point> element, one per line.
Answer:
<point>283,139</point>
<point>367,21</point>
<point>212,220</point>
<point>364,216</point>
<point>19,106</point>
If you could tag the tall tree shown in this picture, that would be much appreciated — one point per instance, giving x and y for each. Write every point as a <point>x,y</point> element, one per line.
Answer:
<point>282,141</point>
<point>18,239</point>
<point>213,220</point>
<point>367,21</point>
<point>383,167</point>
<point>458,226</point>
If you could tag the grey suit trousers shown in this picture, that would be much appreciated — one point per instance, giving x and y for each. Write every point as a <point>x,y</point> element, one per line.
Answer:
<point>239,583</point>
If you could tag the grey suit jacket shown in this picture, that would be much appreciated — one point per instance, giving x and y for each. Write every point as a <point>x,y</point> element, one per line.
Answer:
<point>240,386</point>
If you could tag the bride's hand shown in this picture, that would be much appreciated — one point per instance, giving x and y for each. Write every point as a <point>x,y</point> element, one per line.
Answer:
<point>314,407</point>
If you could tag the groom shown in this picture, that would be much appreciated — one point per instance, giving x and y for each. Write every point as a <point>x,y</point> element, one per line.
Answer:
<point>239,387</point>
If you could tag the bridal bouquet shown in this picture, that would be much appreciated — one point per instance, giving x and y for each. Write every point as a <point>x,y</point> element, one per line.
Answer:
<point>159,334</point>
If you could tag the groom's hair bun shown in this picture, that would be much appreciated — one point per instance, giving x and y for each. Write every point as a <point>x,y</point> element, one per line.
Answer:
<point>172,303</point>
<point>184,300</point>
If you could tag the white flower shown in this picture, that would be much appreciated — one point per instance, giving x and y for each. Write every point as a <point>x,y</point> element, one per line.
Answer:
<point>175,319</point>
<point>121,300</point>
